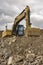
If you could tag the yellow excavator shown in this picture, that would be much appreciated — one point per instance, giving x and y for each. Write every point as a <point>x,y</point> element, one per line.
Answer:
<point>28,31</point>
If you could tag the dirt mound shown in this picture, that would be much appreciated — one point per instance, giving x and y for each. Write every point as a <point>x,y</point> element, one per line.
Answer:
<point>21,50</point>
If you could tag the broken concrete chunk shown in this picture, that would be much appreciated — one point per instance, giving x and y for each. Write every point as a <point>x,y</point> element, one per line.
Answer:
<point>18,58</point>
<point>10,60</point>
<point>30,57</point>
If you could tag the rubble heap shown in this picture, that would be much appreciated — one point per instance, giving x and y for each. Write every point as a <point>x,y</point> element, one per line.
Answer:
<point>21,51</point>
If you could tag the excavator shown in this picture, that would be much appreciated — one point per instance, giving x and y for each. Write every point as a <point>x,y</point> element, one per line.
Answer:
<point>25,14</point>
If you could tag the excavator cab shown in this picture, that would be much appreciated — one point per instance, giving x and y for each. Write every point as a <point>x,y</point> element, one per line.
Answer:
<point>20,30</point>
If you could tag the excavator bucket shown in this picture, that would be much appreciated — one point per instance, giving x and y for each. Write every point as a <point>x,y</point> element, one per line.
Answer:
<point>6,33</point>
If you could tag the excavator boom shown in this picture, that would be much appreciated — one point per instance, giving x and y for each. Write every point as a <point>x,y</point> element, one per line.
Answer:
<point>24,14</point>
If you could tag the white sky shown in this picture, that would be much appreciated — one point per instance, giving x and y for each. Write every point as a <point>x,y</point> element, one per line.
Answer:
<point>9,9</point>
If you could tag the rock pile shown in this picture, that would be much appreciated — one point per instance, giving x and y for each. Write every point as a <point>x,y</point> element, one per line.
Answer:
<point>13,53</point>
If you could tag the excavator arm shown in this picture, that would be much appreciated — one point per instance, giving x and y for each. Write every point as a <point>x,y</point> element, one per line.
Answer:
<point>17,20</point>
<point>24,14</point>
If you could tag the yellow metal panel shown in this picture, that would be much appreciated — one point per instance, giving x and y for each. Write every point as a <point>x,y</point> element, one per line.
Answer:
<point>32,32</point>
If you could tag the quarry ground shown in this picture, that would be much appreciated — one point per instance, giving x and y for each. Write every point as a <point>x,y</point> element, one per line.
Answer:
<point>21,50</point>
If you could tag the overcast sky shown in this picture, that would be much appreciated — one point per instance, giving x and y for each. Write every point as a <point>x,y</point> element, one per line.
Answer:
<point>9,9</point>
